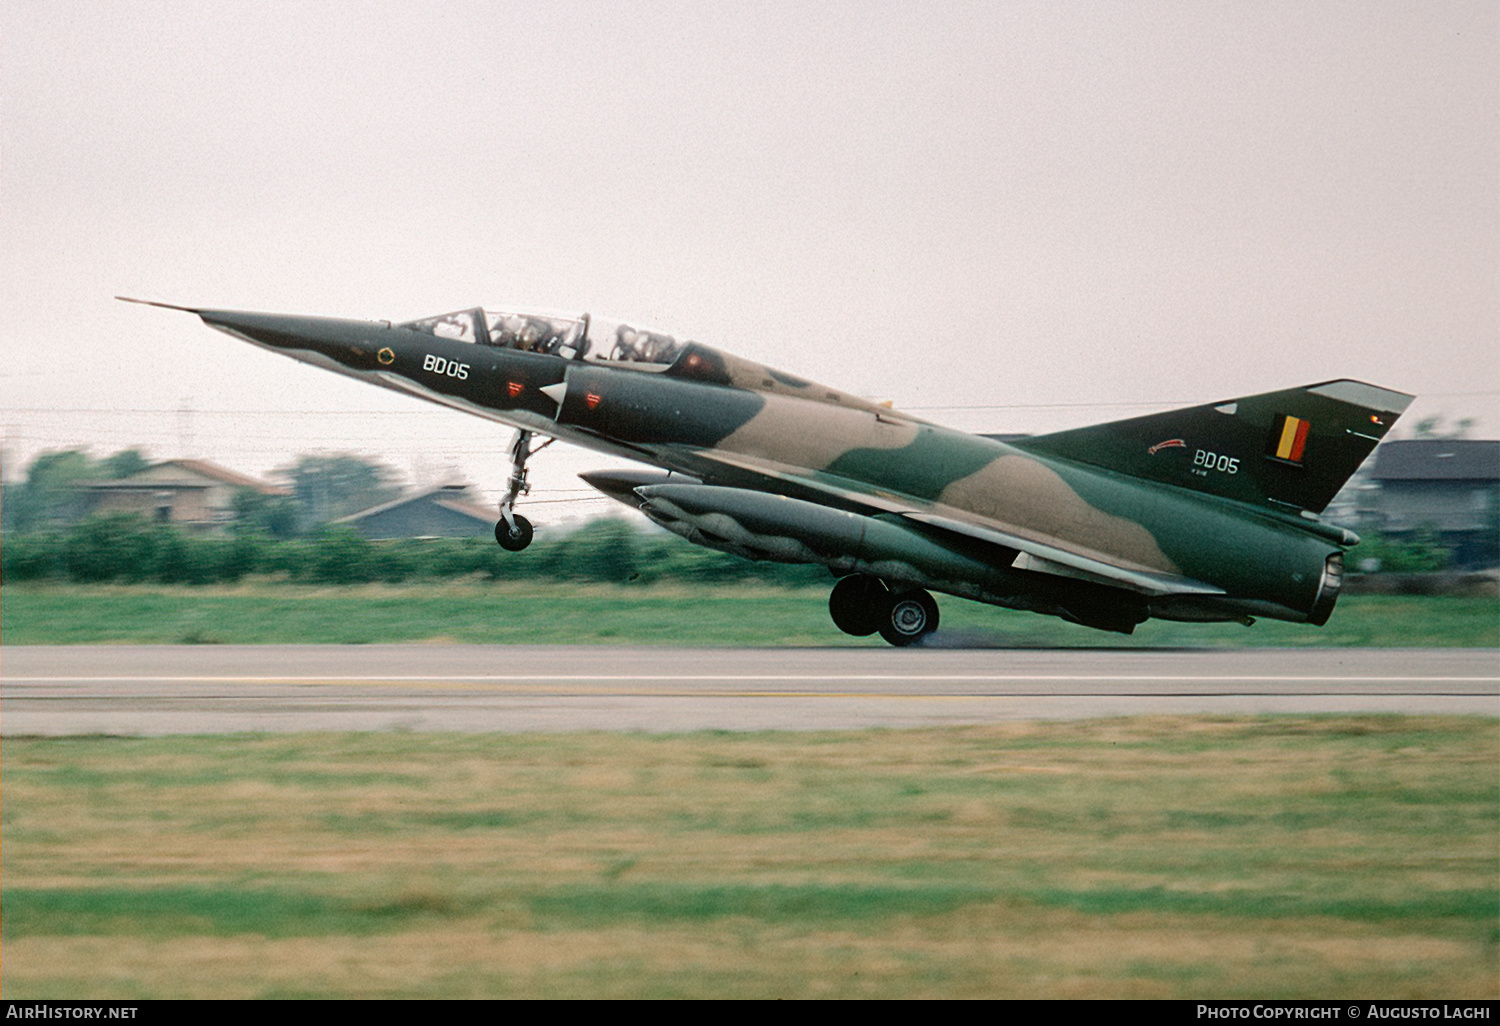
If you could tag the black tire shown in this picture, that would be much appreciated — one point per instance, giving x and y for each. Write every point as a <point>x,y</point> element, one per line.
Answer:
<point>857,604</point>
<point>910,616</point>
<point>514,540</point>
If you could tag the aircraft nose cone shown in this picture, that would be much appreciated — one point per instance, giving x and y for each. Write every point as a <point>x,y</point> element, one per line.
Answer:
<point>352,343</point>
<point>277,330</point>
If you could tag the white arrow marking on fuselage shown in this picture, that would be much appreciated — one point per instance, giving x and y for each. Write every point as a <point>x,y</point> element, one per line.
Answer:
<point>556,393</point>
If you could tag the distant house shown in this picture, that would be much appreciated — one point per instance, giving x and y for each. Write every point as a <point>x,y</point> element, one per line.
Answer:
<point>194,494</point>
<point>1449,486</point>
<point>445,512</point>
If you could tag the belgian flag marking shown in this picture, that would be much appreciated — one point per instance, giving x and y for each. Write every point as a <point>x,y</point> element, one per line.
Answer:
<point>1291,439</point>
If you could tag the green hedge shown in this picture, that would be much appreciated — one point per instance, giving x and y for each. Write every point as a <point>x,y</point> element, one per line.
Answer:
<point>128,549</point>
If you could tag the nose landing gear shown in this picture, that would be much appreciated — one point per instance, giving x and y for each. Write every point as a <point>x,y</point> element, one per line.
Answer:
<point>514,531</point>
<point>862,605</point>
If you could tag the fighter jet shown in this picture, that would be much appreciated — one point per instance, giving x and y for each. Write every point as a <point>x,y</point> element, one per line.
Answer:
<point>1208,513</point>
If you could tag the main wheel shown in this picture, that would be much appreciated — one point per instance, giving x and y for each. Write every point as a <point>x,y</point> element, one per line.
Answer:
<point>857,604</point>
<point>513,539</point>
<point>910,617</point>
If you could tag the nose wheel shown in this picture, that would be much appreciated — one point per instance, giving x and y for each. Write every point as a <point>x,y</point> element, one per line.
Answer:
<point>862,605</point>
<point>515,535</point>
<point>514,531</point>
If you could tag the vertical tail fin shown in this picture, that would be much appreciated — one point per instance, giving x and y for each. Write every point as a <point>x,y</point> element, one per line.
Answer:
<point>1291,450</point>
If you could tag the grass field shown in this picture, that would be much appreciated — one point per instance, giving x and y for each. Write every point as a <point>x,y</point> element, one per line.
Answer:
<point>1157,857</point>
<point>562,613</point>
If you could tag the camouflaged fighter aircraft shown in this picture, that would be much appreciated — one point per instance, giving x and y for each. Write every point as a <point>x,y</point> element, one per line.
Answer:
<point>1202,514</point>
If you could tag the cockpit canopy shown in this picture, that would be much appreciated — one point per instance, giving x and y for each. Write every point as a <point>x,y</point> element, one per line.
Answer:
<point>612,343</point>
<point>637,345</point>
<point>554,336</point>
<point>572,338</point>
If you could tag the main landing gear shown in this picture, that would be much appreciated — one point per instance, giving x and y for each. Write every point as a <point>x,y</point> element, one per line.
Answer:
<point>861,605</point>
<point>513,531</point>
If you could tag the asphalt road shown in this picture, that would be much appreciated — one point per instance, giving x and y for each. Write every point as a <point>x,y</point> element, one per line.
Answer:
<point>150,690</point>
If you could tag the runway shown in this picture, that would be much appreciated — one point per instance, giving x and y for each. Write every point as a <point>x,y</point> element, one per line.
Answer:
<point>155,690</point>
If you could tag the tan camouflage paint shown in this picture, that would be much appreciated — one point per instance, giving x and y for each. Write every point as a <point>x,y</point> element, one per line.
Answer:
<point>812,435</point>
<point>1028,498</point>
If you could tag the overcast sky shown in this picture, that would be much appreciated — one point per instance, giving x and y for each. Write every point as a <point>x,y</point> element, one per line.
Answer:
<point>1004,216</point>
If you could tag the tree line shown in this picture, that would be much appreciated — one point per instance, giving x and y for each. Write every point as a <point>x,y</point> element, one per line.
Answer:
<point>46,537</point>
<point>321,487</point>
